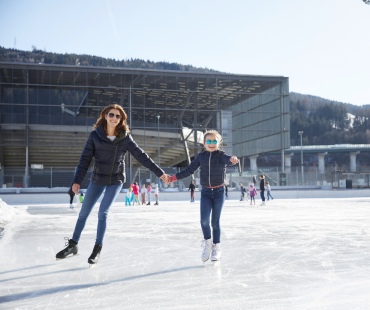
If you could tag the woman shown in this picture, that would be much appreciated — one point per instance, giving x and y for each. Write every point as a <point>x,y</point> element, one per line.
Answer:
<point>108,143</point>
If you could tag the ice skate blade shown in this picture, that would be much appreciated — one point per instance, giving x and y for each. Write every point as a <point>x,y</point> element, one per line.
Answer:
<point>212,264</point>
<point>211,261</point>
<point>69,256</point>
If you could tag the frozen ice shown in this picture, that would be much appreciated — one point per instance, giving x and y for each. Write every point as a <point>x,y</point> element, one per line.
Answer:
<point>296,252</point>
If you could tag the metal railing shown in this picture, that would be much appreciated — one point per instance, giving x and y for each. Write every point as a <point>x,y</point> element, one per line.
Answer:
<point>50,177</point>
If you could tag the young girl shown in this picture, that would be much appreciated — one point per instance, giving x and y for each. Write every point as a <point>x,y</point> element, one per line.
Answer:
<point>212,163</point>
<point>143,194</point>
<point>252,193</point>
<point>129,197</point>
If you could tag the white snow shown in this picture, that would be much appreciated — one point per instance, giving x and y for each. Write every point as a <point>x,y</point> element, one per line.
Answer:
<point>7,213</point>
<point>293,253</point>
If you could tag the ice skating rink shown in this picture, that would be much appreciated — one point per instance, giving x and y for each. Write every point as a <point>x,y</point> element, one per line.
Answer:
<point>297,252</point>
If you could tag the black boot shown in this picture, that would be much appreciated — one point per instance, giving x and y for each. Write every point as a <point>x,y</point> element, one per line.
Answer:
<point>94,257</point>
<point>71,248</point>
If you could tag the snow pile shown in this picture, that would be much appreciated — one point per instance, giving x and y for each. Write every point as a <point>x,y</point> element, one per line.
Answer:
<point>7,213</point>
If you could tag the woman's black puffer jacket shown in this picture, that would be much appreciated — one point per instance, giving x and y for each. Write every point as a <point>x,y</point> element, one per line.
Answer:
<point>109,166</point>
<point>212,168</point>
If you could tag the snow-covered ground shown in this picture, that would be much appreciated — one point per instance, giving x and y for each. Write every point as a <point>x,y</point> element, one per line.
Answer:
<point>293,253</point>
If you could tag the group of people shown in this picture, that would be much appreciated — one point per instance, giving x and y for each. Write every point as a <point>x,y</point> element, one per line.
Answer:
<point>108,144</point>
<point>251,191</point>
<point>132,195</point>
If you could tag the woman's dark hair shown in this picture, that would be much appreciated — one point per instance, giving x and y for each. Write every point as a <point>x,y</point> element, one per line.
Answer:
<point>122,124</point>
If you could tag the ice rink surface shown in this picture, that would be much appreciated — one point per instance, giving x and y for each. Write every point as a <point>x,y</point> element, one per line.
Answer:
<point>293,253</point>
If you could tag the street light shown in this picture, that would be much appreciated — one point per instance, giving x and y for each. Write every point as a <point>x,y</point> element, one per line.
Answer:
<point>159,147</point>
<point>301,133</point>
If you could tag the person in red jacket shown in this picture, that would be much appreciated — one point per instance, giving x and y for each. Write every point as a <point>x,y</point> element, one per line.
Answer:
<point>136,191</point>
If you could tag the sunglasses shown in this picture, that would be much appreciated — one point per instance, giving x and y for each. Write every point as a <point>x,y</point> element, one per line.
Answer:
<point>111,115</point>
<point>211,141</point>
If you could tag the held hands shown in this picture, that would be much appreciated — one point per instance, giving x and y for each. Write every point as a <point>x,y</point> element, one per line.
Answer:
<point>165,178</point>
<point>173,178</point>
<point>234,160</point>
<point>76,188</point>
<point>168,178</point>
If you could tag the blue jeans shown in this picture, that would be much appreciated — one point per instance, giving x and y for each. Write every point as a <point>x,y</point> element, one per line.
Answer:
<point>269,195</point>
<point>92,195</point>
<point>262,194</point>
<point>211,202</point>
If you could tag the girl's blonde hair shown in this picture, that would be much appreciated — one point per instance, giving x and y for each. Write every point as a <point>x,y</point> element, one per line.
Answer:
<point>122,125</point>
<point>214,133</point>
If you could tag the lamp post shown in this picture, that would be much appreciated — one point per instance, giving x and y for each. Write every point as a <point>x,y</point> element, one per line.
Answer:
<point>159,147</point>
<point>301,133</point>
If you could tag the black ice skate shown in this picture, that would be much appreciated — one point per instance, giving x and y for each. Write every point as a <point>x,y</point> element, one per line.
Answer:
<point>94,257</point>
<point>71,248</point>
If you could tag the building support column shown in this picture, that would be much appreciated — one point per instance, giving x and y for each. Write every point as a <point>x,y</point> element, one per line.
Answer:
<point>321,157</point>
<point>253,160</point>
<point>288,162</point>
<point>352,159</point>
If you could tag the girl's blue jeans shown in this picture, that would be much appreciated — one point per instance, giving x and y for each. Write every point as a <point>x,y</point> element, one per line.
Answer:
<point>92,195</point>
<point>211,203</point>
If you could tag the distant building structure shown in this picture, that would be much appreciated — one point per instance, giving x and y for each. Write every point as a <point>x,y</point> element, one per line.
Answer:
<point>47,112</point>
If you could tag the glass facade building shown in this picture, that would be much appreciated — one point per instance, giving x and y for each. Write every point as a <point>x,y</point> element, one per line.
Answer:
<point>47,112</point>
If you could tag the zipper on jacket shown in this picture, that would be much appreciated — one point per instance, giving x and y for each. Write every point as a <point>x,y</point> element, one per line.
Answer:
<point>114,160</point>
<point>209,169</point>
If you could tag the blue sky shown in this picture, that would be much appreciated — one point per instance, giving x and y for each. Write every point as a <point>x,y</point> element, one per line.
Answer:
<point>323,46</point>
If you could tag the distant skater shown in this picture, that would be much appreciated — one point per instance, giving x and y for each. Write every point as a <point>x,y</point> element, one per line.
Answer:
<point>143,194</point>
<point>262,189</point>
<point>242,192</point>
<point>212,163</point>
<point>149,192</point>
<point>252,193</point>
<point>135,192</point>
<point>268,190</point>
<point>71,196</point>
<point>129,197</point>
<point>192,190</point>
<point>156,194</point>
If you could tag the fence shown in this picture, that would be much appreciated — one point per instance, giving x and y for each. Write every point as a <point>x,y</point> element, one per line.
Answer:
<point>50,177</point>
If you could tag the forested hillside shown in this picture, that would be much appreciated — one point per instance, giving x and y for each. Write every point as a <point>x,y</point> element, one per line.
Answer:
<point>327,122</point>
<point>322,121</point>
<point>39,56</point>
